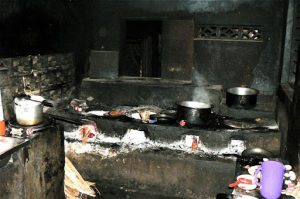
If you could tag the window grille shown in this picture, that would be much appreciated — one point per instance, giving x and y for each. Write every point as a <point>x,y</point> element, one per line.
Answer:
<point>235,33</point>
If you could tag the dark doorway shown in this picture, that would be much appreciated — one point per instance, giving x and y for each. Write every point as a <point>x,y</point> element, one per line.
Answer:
<point>141,50</point>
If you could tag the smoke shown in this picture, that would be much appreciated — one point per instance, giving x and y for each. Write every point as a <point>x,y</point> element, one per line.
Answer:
<point>200,94</point>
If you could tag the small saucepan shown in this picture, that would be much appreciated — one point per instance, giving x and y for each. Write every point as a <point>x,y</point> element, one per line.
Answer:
<point>241,97</point>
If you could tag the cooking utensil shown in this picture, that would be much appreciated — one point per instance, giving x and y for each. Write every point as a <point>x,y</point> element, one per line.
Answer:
<point>36,98</point>
<point>234,184</point>
<point>247,182</point>
<point>163,118</point>
<point>272,173</point>
<point>252,169</point>
<point>68,120</point>
<point>253,153</point>
<point>251,156</point>
<point>29,109</point>
<point>28,112</point>
<point>251,123</point>
<point>254,156</point>
<point>241,123</point>
<point>193,112</point>
<point>241,97</point>
<point>243,179</point>
<point>246,160</point>
<point>257,153</point>
<point>44,102</point>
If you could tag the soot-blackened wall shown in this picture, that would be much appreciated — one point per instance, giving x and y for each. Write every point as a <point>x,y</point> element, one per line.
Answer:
<point>230,62</point>
<point>45,27</point>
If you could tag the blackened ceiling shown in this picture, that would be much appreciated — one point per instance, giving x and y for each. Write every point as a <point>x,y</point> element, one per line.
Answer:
<point>38,27</point>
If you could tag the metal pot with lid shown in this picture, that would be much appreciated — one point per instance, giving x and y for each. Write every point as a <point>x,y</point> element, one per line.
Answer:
<point>193,112</point>
<point>29,109</point>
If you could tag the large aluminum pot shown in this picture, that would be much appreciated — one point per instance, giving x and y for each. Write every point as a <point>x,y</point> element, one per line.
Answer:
<point>28,112</point>
<point>241,97</point>
<point>193,112</point>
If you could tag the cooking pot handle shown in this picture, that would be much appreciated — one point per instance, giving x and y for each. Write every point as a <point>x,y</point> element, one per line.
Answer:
<point>21,95</point>
<point>46,103</point>
<point>257,171</point>
<point>243,100</point>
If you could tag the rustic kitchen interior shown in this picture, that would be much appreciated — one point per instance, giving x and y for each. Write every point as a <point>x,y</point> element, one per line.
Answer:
<point>147,98</point>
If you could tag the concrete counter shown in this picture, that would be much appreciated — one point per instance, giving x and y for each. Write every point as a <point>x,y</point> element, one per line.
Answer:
<point>162,165</point>
<point>35,168</point>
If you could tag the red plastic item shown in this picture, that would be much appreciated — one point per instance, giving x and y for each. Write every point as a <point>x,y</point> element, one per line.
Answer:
<point>182,123</point>
<point>2,121</point>
<point>2,128</point>
<point>240,180</point>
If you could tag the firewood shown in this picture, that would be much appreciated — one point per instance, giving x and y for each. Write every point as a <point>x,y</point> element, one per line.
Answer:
<point>75,185</point>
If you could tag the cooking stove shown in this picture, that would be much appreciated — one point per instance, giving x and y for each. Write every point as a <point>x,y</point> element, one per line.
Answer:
<point>29,130</point>
<point>216,122</point>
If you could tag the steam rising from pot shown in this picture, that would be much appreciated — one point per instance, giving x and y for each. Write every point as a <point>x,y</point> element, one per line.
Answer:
<point>200,94</point>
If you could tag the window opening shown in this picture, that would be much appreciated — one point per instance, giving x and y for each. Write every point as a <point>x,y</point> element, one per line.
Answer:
<point>141,50</point>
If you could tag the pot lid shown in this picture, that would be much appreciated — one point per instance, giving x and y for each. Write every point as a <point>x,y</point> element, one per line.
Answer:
<point>37,98</point>
<point>26,102</point>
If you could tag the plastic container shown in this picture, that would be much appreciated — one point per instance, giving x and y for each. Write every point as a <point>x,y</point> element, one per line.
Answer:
<point>2,122</point>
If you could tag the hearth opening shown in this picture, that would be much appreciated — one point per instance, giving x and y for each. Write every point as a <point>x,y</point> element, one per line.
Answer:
<point>140,54</point>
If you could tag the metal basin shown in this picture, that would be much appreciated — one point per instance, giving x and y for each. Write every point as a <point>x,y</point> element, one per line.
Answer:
<point>241,97</point>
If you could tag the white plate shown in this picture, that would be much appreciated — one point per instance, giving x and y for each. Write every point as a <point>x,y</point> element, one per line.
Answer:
<point>247,186</point>
<point>246,197</point>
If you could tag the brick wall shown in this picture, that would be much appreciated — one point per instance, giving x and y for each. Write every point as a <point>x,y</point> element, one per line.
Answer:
<point>51,76</point>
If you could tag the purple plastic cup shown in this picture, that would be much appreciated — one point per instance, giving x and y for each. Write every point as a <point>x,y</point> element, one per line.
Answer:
<point>271,181</point>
